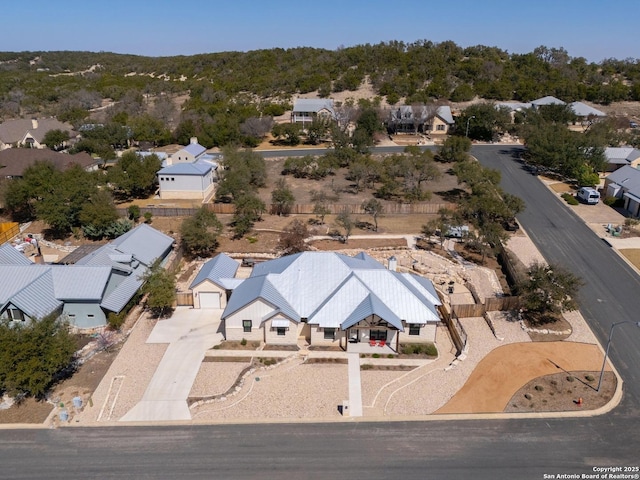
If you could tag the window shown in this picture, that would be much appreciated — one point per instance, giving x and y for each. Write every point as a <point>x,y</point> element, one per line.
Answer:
<point>15,315</point>
<point>329,333</point>
<point>90,315</point>
<point>172,179</point>
<point>440,128</point>
<point>246,326</point>
<point>282,331</point>
<point>414,329</point>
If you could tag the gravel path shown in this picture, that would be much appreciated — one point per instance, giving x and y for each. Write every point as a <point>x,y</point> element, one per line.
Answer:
<point>215,378</point>
<point>136,363</point>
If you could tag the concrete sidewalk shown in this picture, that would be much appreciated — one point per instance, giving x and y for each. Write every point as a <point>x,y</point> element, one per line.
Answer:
<point>190,333</point>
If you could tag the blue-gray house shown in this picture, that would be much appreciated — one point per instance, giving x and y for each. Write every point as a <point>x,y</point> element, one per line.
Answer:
<point>85,293</point>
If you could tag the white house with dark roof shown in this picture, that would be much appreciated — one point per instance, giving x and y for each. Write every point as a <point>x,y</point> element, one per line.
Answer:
<point>305,110</point>
<point>421,119</point>
<point>86,292</point>
<point>331,299</point>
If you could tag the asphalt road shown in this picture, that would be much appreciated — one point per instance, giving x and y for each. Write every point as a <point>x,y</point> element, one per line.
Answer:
<point>460,449</point>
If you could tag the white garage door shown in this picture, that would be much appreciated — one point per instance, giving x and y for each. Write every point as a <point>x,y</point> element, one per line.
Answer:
<point>209,299</point>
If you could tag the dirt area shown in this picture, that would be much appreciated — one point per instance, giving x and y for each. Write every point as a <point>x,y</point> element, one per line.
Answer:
<point>633,255</point>
<point>501,374</point>
<point>358,243</point>
<point>563,392</point>
<point>339,185</point>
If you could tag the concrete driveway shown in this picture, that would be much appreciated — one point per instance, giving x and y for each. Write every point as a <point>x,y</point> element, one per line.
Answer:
<point>189,333</point>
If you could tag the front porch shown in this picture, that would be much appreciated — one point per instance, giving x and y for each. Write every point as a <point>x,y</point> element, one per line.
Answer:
<point>370,348</point>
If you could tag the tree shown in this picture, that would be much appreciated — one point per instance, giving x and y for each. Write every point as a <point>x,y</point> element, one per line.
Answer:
<point>249,209</point>
<point>160,288</point>
<point>282,198</point>
<point>32,356</point>
<point>134,176</point>
<point>287,133</point>
<point>321,200</point>
<point>292,238</point>
<point>200,233</point>
<point>548,291</point>
<point>374,208</point>
<point>98,214</point>
<point>346,222</point>
<point>454,149</point>
<point>55,139</point>
<point>486,122</point>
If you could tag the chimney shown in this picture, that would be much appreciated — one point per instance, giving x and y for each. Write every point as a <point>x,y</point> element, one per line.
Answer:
<point>194,140</point>
<point>34,123</point>
<point>393,263</point>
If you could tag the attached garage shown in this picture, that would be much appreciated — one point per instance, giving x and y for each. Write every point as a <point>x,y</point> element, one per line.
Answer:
<point>210,300</point>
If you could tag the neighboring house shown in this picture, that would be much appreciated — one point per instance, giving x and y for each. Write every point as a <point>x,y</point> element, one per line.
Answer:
<point>29,132</point>
<point>85,293</point>
<point>548,100</point>
<point>188,180</point>
<point>190,153</point>
<point>618,157</point>
<point>332,300</point>
<point>420,119</point>
<point>214,282</point>
<point>14,161</point>
<point>584,112</point>
<point>625,183</point>
<point>305,110</point>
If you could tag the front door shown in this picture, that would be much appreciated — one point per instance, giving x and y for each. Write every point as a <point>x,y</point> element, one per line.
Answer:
<point>378,335</point>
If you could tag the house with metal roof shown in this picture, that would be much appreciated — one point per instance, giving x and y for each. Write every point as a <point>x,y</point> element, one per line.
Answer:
<point>333,300</point>
<point>190,153</point>
<point>420,119</point>
<point>14,161</point>
<point>305,110</point>
<point>214,282</point>
<point>618,157</point>
<point>625,183</point>
<point>103,281</point>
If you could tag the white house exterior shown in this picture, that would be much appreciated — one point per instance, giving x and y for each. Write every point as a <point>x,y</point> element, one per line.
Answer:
<point>618,157</point>
<point>188,180</point>
<point>190,153</point>
<point>421,119</point>
<point>333,300</point>
<point>213,282</point>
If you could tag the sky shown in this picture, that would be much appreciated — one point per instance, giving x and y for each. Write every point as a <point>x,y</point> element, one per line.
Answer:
<point>594,29</point>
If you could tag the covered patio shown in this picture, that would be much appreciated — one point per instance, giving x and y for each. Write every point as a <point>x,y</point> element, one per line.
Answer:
<point>371,347</point>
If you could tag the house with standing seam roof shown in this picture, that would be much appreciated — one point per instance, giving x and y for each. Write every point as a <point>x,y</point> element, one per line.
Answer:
<point>102,282</point>
<point>332,299</point>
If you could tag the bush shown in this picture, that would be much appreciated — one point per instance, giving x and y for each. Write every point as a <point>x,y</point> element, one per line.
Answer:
<point>589,378</point>
<point>376,355</point>
<point>419,349</point>
<point>614,202</point>
<point>133,212</point>
<point>570,199</point>
<point>570,378</point>
<point>539,388</point>
<point>527,396</point>
<point>147,217</point>
<point>116,320</point>
<point>243,342</point>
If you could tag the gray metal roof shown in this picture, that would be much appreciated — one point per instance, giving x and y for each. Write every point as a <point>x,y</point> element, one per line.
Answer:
<point>77,282</point>
<point>196,168</point>
<point>628,178</point>
<point>194,149</point>
<point>221,266</point>
<point>124,292</point>
<point>584,110</point>
<point>406,113</point>
<point>312,104</point>
<point>9,255</point>
<point>145,243</point>
<point>326,288</point>
<point>37,299</point>
<point>548,100</point>
<point>621,155</point>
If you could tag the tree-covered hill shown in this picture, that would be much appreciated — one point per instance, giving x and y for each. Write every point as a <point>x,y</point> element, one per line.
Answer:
<point>414,72</point>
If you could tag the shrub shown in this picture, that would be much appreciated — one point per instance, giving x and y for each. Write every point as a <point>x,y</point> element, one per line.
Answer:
<point>116,320</point>
<point>243,342</point>
<point>539,388</point>
<point>570,199</point>
<point>589,378</point>
<point>147,217</point>
<point>376,355</point>
<point>570,378</point>
<point>134,212</point>
<point>527,396</point>
<point>613,201</point>
<point>366,366</point>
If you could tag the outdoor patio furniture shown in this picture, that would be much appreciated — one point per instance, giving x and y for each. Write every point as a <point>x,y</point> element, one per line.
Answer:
<point>382,343</point>
<point>372,343</point>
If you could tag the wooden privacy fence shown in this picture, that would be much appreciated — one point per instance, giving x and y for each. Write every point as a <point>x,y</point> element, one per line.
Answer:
<point>491,304</point>
<point>184,299</point>
<point>389,208</point>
